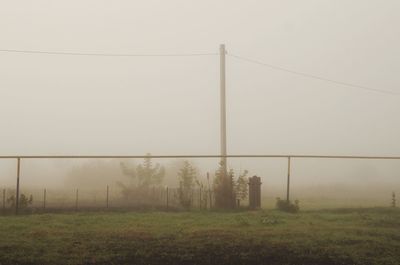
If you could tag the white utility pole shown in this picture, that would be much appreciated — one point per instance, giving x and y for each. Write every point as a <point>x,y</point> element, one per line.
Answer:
<point>222,53</point>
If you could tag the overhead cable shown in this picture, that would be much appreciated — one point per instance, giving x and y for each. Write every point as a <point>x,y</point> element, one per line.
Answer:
<point>108,54</point>
<point>311,75</point>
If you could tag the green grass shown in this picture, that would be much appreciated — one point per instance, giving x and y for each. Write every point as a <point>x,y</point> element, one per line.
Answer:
<point>326,237</point>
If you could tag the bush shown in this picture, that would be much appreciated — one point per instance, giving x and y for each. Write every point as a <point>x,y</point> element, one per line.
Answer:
<point>224,193</point>
<point>287,206</point>
<point>187,179</point>
<point>24,201</point>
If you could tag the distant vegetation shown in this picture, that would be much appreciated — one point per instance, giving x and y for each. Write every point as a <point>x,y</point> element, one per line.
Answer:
<point>24,201</point>
<point>187,180</point>
<point>143,177</point>
<point>393,199</point>
<point>242,186</point>
<point>146,177</point>
<point>228,188</point>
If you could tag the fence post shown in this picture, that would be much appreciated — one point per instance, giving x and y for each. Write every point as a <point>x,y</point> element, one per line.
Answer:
<point>17,191</point>
<point>161,196</point>
<point>76,200</point>
<point>192,199</point>
<point>288,181</point>
<point>107,196</point>
<point>4,200</point>
<point>167,199</point>
<point>44,199</point>
<point>153,197</point>
<point>210,193</point>
<point>200,199</point>
<point>209,188</point>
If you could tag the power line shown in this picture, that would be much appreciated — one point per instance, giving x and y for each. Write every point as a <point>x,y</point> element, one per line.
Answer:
<point>311,75</point>
<point>199,54</point>
<point>108,54</point>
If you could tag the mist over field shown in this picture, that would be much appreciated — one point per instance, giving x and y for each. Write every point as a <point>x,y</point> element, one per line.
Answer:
<point>268,132</point>
<point>68,105</point>
<point>316,183</point>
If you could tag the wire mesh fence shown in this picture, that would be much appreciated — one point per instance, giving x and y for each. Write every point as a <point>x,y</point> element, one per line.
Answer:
<point>109,198</point>
<point>103,197</point>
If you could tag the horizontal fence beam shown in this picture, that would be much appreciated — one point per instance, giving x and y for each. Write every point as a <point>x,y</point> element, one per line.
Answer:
<point>289,157</point>
<point>197,156</point>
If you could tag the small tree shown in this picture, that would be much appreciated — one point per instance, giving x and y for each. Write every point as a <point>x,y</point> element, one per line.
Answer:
<point>227,188</point>
<point>187,179</point>
<point>224,188</point>
<point>145,174</point>
<point>242,187</point>
<point>142,177</point>
<point>149,174</point>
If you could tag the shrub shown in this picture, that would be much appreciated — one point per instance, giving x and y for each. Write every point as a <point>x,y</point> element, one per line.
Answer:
<point>242,186</point>
<point>227,188</point>
<point>187,179</point>
<point>225,196</point>
<point>24,201</point>
<point>287,206</point>
<point>147,175</point>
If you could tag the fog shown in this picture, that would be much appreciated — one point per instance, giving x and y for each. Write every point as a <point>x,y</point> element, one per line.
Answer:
<point>88,105</point>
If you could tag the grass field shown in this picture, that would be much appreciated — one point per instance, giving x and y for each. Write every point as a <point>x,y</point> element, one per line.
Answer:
<point>324,237</point>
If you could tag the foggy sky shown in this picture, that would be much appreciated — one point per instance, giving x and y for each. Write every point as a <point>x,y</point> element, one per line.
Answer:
<point>59,105</point>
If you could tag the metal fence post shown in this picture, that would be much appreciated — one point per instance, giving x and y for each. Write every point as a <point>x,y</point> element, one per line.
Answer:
<point>288,181</point>
<point>44,198</point>
<point>107,196</point>
<point>209,189</point>
<point>167,199</point>
<point>76,200</point>
<point>200,202</point>
<point>17,191</point>
<point>4,200</point>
